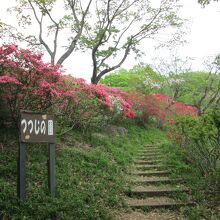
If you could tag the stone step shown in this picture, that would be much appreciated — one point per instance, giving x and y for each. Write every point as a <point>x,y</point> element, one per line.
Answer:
<point>154,157</point>
<point>151,173</point>
<point>149,149</point>
<point>150,154</point>
<point>152,203</point>
<point>156,190</point>
<point>150,145</point>
<point>147,161</point>
<point>154,180</point>
<point>153,145</point>
<point>148,166</point>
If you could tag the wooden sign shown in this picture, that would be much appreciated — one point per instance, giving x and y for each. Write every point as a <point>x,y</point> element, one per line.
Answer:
<point>36,128</point>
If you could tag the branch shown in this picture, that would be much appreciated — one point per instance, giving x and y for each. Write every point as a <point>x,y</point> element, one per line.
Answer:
<point>80,25</point>
<point>40,21</point>
<point>72,6</point>
<point>213,98</point>
<point>147,26</point>
<point>102,73</point>
<point>117,43</point>
<point>56,32</point>
<point>199,103</point>
<point>124,9</point>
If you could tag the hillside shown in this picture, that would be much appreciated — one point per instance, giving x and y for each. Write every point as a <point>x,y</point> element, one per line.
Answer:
<point>100,131</point>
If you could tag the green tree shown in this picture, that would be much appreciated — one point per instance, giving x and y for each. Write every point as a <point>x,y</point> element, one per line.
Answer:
<point>118,28</point>
<point>173,70</point>
<point>192,86</point>
<point>201,89</point>
<point>120,78</point>
<point>141,78</point>
<point>109,29</point>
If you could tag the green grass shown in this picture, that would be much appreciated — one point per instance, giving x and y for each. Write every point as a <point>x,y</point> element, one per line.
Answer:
<point>204,192</point>
<point>90,176</point>
<point>91,172</point>
<point>91,179</point>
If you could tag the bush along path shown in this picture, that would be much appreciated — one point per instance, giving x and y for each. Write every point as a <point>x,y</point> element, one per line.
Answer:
<point>152,187</point>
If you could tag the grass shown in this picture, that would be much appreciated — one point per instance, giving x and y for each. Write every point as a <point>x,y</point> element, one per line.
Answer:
<point>203,193</point>
<point>90,174</point>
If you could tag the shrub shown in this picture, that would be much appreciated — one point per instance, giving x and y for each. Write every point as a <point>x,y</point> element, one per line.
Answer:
<point>26,82</point>
<point>200,139</point>
<point>29,83</point>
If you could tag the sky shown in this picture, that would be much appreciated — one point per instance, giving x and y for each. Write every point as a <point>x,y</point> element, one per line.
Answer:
<point>203,36</point>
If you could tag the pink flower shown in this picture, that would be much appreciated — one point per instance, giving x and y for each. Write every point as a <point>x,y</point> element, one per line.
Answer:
<point>44,84</point>
<point>130,114</point>
<point>8,79</point>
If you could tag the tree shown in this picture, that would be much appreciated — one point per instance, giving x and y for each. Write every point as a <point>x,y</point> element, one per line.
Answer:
<point>110,29</point>
<point>52,25</point>
<point>210,95</point>
<point>119,26</point>
<point>119,78</point>
<point>201,89</point>
<point>174,70</point>
<point>141,78</point>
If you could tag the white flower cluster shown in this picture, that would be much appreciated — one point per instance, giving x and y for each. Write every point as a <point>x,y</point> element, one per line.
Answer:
<point>154,85</point>
<point>173,81</point>
<point>116,104</point>
<point>157,85</point>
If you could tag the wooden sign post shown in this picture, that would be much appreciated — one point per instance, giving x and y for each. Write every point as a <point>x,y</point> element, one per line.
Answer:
<point>36,128</point>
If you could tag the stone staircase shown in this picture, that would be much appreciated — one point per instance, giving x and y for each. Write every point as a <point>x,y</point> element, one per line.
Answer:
<point>152,186</point>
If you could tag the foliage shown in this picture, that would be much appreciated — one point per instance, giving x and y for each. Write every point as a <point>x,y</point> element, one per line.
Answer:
<point>192,86</point>
<point>173,71</point>
<point>140,78</point>
<point>165,109</point>
<point>119,78</point>
<point>92,105</point>
<point>182,109</point>
<point>204,191</point>
<point>200,138</point>
<point>28,83</point>
<point>143,106</point>
<point>201,89</point>
<point>198,89</point>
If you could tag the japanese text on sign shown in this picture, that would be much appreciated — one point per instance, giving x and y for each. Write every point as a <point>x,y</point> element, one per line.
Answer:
<point>36,127</point>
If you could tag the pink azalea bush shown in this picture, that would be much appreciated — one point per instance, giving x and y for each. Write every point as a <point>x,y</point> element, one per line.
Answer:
<point>26,82</point>
<point>166,108</point>
<point>29,83</point>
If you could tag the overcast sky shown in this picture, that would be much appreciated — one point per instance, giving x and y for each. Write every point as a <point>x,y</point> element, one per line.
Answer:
<point>203,39</point>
